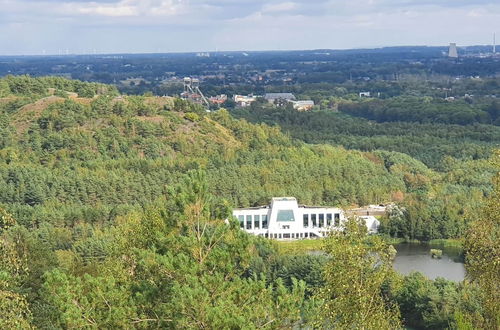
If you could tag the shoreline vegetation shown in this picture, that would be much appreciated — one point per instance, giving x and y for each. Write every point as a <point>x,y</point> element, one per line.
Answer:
<point>305,246</point>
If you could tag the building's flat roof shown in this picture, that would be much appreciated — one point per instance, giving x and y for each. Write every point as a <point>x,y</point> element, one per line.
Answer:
<point>279,96</point>
<point>252,208</point>
<point>304,102</point>
<point>318,207</point>
<point>284,199</point>
<point>300,206</point>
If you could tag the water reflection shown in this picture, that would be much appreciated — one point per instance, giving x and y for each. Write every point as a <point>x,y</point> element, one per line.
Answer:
<point>413,257</point>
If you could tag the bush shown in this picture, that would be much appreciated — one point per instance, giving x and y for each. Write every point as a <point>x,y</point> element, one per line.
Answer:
<point>191,116</point>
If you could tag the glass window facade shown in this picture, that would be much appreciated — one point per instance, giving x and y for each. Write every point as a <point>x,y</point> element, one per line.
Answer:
<point>321,220</point>
<point>249,222</point>
<point>241,219</point>
<point>313,220</point>
<point>337,219</point>
<point>285,215</point>
<point>305,218</point>
<point>264,222</point>
<point>256,221</point>
<point>328,219</point>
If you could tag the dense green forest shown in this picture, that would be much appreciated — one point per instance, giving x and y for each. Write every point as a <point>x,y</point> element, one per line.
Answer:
<point>113,207</point>
<point>428,141</point>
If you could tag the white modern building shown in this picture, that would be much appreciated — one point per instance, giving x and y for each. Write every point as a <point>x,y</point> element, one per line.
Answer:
<point>286,219</point>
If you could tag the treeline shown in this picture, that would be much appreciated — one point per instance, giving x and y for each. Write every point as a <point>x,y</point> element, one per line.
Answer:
<point>28,86</point>
<point>431,143</point>
<point>422,110</point>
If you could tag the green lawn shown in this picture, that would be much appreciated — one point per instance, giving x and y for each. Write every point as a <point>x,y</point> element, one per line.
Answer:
<point>299,246</point>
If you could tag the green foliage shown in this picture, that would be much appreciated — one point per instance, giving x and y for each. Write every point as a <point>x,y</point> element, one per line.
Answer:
<point>428,142</point>
<point>176,265</point>
<point>426,304</point>
<point>4,88</point>
<point>14,308</point>
<point>483,255</point>
<point>420,110</point>
<point>272,263</point>
<point>26,85</point>
<point>191,116</point>
<point>354,275</point>
<point>88,301</point>
<point>6,220</point>
<point>14,312</point>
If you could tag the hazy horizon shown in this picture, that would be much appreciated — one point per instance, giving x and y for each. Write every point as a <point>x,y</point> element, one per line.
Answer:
<point>62,54</point>
<point>57,27</point>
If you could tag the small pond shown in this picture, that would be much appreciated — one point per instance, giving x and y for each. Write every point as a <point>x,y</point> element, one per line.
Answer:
<point>415,257</point>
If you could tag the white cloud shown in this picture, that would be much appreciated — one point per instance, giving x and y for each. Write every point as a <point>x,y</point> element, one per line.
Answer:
<point>113,11</point>
<point>279,7</point>
<point>125,8</point>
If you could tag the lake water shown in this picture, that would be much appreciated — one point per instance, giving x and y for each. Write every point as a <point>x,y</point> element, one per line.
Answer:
<point>413,257</point>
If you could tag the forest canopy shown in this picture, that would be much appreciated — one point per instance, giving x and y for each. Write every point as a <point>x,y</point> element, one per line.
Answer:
<point>113,209</point>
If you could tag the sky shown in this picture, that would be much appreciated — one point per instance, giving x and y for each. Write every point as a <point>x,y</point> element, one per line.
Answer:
<point>158,26</point>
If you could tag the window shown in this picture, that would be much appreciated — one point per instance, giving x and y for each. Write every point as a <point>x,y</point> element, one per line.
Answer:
<point>306,234</point>
<point>285,215</point>
<point>241,219</point>
<point>313,220</point>
<point>256,221</point>
<point>329,219</point>
<point>337,219</point>
<point>264,222</point>
<point>321,220</point>
<point>249,222</point>
<point>306,220</point>
<point>285,235</point>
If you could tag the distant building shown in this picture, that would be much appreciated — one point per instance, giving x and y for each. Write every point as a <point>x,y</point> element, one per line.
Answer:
<point>244,100</point>
<point>285,219</point>
<point>452,52</point>
<point>305,105</point>
<point>280,97</point>
<point>219,99</point>
<point>364,94</point>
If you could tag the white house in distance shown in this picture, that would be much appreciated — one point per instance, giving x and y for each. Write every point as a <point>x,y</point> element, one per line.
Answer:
<point>303,105</point>
<point>244,100</point>
<point>284,218</point>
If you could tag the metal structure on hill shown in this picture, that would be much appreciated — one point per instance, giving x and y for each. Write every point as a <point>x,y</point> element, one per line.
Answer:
<point>193,92</point>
